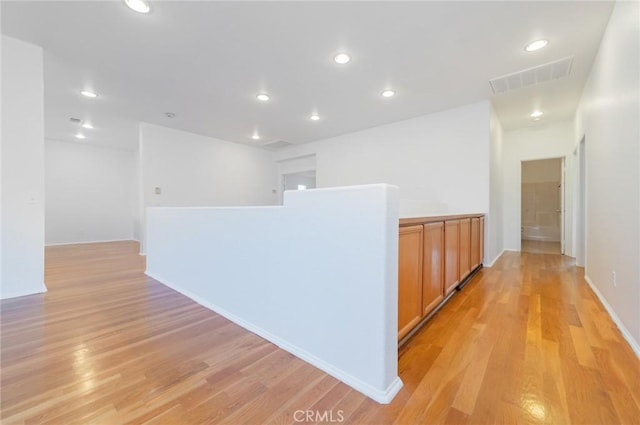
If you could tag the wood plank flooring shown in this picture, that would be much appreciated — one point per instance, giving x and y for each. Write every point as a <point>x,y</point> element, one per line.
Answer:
<point>525,342</point>
<point>540,247</point>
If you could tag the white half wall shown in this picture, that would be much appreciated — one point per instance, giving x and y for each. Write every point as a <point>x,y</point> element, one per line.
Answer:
<point>436,159</point>
<point>317,276</point>
<point>192,170</point>
<point>22,169</point>
<point>607,118</point>
<point>553,140</point>
<point>90,193</point>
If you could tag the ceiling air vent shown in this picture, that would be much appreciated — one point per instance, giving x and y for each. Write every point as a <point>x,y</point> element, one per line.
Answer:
<point>277,144</point>
<point>531,76</point>
<point>75,120</point>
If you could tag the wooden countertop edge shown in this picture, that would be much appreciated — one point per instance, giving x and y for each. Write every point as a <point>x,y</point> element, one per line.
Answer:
<point>423,220</point>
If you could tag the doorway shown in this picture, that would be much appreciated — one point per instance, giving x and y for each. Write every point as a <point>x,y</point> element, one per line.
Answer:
<point>299,181</point>
<point>542,206</point>
<point>298,173</point>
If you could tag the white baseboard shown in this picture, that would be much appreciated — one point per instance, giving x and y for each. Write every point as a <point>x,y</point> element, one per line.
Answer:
<point>491,263</point>
<point>383,397</point>
<point>89,242</point>
<point>623,329</point>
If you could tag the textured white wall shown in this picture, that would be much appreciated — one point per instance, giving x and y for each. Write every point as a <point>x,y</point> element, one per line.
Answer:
<point>608,119</point>
<point>494,225</point>
<point>194,170</point>
<point>317,276</point>
<point>90,193</point>
<point>441,157</point>
<point>22,169</point>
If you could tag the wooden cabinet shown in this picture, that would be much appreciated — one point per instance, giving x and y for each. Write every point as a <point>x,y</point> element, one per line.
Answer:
<point>451,255</point>
<point>475,242</point>
<point>465,248</point>
<point>432,267</point>
<point>481,240</point>
<point>410,253</point>
<point>434,256</point>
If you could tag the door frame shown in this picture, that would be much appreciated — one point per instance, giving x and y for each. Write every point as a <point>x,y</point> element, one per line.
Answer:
<point>580,203</point>
<point>563,194</point>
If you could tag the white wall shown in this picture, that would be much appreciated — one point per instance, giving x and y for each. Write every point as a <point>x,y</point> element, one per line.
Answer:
<point>90,193</point>
<point>22,169</point>
<point>433,157</point>
<point>194,170</point>
<point>1,144</point>
<point>440,158</point>
<point>317,276</point>
<point>494,237</point>
<point>554,140</point>
<point>608,119</point>
<point>136,204</point>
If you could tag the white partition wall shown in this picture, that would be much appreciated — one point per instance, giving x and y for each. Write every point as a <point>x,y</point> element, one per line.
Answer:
<point>22,181</point>
<point>182,169</point>
<point>607,121</point>
<point>316,276</point>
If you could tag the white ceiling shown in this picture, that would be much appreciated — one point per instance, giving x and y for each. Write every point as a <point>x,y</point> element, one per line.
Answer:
<point>206,61</point>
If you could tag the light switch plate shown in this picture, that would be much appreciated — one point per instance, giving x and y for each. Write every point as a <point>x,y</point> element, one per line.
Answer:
<point>158,191</point>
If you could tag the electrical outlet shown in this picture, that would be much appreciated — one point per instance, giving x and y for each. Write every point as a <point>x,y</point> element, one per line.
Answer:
<point>613,279</point>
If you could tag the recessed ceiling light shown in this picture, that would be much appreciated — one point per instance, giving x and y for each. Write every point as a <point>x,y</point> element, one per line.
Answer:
<point>80,136</point>
<point>536,114</point>
<point>535,45</point>
<point>341,58</point>
<point>314,117</point>
<point>88,93</point>
<point>139,6</point>
<point>388,93</point>
<point>255,136</point>
<point>263,97</point>
<point>537,119</point>
<point>87,125</point>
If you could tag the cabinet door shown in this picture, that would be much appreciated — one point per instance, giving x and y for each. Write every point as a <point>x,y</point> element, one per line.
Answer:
<point>451,255</point>
<point>481,240</point>
<point>432,268</point>
<point>465,248</point>
<point>409,278</point>
<point>475,242</point>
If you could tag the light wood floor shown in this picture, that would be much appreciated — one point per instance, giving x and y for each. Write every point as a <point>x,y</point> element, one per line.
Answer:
<point>525,342</point>
<point>540,247</point>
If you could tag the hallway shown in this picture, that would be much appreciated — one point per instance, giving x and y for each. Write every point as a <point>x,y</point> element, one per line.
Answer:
<point>540,247</point>
<point>526,341</point>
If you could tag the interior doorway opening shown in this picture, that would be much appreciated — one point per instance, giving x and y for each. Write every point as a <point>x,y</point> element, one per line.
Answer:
<point>296,173</point>
<point>542,206</point>
<point>299,181</point>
